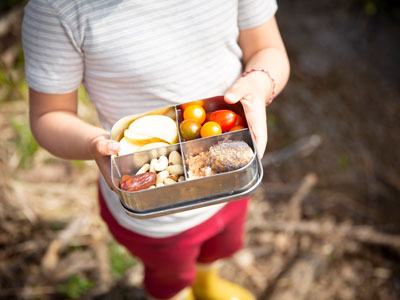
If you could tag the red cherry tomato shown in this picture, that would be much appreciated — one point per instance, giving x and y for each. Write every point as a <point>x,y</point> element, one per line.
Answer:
<point>194,112</point>
<point>239,121</point>
<point>208,117</point>
<point>210,129</point>
<point>225,118</point>
<point>236,127</point>
<point>190,129</point>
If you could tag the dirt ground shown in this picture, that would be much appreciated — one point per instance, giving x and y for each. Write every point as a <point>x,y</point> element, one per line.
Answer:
<point>325,223</point>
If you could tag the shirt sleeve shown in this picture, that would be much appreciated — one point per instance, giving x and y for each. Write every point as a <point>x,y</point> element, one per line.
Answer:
<point>53,58</point>
<point>253,13</point>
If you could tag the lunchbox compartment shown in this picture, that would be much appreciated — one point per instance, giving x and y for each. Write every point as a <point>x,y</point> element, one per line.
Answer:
<point>211,105</point>
<point>147,198</point>
<point>221,183</point>
<point>129,164</point>
<point>117,131</point>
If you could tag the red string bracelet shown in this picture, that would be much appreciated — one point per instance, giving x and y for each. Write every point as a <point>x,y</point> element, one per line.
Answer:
<point>270,77</point>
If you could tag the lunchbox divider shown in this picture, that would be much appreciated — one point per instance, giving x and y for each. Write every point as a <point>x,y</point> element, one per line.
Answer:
<point>179,119</point>
<point>183,161</point>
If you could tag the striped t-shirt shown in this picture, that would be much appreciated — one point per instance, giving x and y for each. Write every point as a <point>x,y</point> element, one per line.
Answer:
<point>135,56</point>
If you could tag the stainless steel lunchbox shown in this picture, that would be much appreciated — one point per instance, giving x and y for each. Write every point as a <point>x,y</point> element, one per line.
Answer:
<point>188,194</point>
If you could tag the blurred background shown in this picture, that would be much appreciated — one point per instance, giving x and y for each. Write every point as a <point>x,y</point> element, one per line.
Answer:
<point>325,224</point>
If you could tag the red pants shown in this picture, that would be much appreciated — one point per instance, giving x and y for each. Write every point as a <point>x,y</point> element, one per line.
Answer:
<point>170,263</point>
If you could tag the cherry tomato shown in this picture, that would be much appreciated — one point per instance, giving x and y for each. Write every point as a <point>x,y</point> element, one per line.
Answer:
<point>225,118</point>
<point>194,112</point>
<point>190,129</point>
<point>239,121</point>
<point>236,127</point>
<point>210,128</point>
<point>197,102</point>
<point>208,116</point>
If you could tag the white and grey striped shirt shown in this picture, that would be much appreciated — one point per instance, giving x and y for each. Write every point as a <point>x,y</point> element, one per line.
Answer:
<point>135,56</point>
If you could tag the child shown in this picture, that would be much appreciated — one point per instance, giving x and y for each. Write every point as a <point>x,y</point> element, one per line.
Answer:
<point>135,56</point>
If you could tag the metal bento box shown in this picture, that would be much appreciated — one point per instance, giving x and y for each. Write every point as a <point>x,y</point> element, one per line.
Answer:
<point>186,193</point>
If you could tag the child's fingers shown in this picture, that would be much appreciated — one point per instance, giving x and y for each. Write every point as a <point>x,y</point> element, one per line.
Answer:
<point>254,108</point>
<point>256,118</point>
<point>238,91</point>
<point>107,147</point>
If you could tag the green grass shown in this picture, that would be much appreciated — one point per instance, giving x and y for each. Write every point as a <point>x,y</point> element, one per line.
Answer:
<point>120,259</point>
<point>25,143</point>
<point>75,286</point>
<point>370,8</point>
<point>83,96</point>
<point>271,120</point>
<point>12,80</point>
<point>78,164</point>
<point>343,161</point>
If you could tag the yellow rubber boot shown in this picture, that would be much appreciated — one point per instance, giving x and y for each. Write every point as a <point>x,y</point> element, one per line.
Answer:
<point>209,286</point>
<point>185,294</point>
<point>190,295</point>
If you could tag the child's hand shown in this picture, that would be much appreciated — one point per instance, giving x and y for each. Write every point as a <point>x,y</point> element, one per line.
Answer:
<point>101,148</point>
<point>252,91</point>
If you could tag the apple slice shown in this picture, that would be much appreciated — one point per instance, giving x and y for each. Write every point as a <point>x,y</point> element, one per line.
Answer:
<point>127,147</point>
<point>152,146</point>
<point>156,126</point>
<point>140,139</point>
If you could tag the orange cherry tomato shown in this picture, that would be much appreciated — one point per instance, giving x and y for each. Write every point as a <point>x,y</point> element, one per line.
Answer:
<point>236,127</point>
<point>195,112</point>
<point>210,129</point>
<point>225,118</point>
<point>197,102</point>
<point>190,129</point>
<point>239,120</point>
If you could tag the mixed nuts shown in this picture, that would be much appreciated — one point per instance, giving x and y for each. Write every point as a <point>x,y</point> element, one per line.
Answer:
<point>159,172</point>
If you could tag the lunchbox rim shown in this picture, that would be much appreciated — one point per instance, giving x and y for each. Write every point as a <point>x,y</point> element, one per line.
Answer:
<point>170,207</point>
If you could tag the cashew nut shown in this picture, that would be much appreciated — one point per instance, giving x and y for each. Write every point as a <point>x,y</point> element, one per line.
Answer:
<point>175,169</point>
<point>168,181</point>
<point>161,164</point>
<point>161,176</point>
<point>152,164</point>
<point>143,169</point>
<point>175,158</point>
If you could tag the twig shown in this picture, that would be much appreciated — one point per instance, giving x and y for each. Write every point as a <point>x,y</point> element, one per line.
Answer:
<point>301,277</point>
<point>304,146</point>
<point>103,267</point>
<point>389,177</point>
<point>296,200</point>
<point>295,203</point>
<point>289,259</point>
<point>364,234</point>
